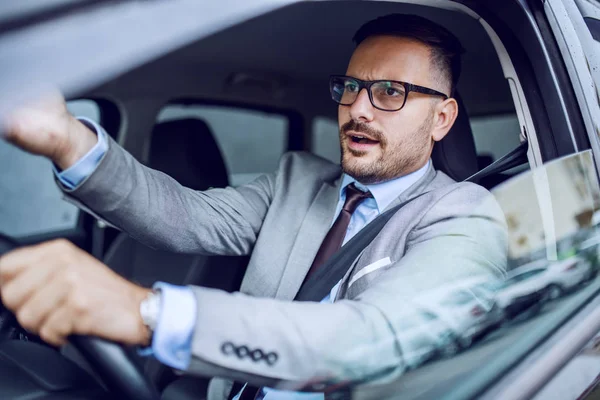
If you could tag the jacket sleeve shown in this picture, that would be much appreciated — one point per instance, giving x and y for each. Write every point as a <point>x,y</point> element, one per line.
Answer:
<point>156,210</point>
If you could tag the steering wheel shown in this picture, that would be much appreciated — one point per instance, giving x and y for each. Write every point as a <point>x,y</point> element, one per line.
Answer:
<point>108,359</point>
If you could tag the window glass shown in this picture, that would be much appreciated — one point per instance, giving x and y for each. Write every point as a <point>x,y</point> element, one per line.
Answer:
<point>552,271</point>
<point>326,139</point>
<point>251,141</point>
<point>84,108</point>
<point>495,135</point>
<point>31,202</point>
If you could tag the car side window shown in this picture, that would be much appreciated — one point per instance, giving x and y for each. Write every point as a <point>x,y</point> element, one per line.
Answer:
<point>495,135</point>
<point>251,141</point>
<point>31,202</point>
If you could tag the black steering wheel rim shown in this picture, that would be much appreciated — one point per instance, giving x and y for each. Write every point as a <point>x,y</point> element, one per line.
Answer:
<point>109,360</point>
<point>118,372</point>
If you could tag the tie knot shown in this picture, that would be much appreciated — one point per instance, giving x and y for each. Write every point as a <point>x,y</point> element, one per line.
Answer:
<point>354,197</point>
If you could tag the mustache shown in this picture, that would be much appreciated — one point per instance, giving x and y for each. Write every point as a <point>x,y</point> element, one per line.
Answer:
<point>361,127</point>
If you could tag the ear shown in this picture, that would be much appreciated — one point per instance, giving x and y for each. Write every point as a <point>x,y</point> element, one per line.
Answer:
<point>444,117</point>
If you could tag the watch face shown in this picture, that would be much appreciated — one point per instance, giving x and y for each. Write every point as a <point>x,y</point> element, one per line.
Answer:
<point>150,309</point>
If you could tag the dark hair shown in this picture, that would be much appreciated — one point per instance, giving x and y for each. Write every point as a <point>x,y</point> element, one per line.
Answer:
<point>446,49</point>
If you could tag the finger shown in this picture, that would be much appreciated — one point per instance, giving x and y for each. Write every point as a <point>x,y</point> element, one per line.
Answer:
<point>49,298</point>
<point>13,262</point>
<point>17,291</point>
<point>16,261</point>
<point>57,327</point>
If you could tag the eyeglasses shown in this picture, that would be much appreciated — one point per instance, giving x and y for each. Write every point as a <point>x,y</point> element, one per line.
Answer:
<point>385,95</point>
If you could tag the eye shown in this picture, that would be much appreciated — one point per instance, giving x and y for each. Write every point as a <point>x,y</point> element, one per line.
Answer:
<point>350,86</point>
<point>392,92</point>
<point>388,90</point>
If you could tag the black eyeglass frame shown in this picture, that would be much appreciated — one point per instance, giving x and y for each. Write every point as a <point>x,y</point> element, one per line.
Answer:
<point>408,87</point>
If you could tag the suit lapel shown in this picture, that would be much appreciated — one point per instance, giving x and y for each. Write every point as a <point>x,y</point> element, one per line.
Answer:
<point>418,187</point>
<point>315,226</point>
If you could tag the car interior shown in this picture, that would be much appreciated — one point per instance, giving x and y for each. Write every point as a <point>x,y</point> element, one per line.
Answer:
<point>178,114</point>
<point>223,109</point>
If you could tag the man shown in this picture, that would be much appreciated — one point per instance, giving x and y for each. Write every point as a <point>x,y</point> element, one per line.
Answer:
<point>394,104</point>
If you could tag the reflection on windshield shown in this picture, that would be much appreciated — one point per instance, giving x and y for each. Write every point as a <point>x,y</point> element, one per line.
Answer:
<point>553,261</point>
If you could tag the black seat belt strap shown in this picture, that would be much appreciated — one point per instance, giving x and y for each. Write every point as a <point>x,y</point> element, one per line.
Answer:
<point>319,284</point>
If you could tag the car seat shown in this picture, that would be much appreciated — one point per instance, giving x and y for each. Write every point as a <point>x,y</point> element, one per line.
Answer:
<point>455,154</point>
<point>186,150</point>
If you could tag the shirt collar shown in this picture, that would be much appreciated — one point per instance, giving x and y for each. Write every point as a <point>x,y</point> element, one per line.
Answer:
<point>385,193</point>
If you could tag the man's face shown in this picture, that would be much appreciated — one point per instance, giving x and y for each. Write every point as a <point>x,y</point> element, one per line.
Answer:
<point>400,141</point>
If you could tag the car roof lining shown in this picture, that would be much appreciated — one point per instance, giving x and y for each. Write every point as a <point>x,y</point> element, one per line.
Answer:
<point>285,60</point>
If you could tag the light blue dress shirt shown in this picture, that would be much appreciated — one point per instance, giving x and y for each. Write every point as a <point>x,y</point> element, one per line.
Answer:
<point>172,340</point>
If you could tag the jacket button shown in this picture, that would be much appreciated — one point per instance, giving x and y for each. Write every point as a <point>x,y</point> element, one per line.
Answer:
<point>271,358</point>
<point>227,348</point>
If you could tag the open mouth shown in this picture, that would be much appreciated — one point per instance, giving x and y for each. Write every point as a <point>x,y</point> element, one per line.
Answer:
<point>361,139</point>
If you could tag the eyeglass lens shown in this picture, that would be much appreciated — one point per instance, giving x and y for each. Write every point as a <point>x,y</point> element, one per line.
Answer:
<point>385,95</point>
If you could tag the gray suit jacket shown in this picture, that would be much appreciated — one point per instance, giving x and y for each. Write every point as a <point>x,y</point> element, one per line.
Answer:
<point>454,231</point>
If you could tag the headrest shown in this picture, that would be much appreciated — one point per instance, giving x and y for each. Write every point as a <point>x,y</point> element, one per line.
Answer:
<point>455,154</point>
<point>186,150</point>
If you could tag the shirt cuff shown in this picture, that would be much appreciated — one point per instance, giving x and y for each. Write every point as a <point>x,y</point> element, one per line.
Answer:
<point>86,165</point>
<point>172,339</point>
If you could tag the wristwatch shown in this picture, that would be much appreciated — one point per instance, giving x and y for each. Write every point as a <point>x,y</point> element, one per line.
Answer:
<point>150,310</point>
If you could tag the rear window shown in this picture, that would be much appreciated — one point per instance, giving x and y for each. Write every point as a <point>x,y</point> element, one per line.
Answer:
<point>31,202</point>
<point>326,139</point>
<point>251,141</point>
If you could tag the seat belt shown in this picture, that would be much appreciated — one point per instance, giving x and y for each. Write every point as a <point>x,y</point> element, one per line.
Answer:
<point>510,160</point>
<point>319,284</point>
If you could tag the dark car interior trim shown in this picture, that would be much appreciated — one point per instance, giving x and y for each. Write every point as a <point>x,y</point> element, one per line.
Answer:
<point>560,69</point>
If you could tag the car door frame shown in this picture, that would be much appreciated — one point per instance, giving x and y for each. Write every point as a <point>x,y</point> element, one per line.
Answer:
<point>573,39</point>
<point>522,28</point>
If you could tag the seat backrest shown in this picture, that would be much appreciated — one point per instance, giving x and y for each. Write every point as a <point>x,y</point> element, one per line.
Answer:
<point>186,150</point>
<point>455,154</point>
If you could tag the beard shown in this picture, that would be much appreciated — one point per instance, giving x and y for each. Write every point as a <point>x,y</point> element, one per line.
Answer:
<point>396,158</point>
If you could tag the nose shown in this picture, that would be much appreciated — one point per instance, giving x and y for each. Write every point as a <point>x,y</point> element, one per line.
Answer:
<point>362,109</point>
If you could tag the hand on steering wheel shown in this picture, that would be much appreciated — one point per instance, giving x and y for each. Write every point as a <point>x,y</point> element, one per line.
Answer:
<point>110,360</point>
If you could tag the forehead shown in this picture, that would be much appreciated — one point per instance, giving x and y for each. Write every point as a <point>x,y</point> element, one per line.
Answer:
<point>391,57</point>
